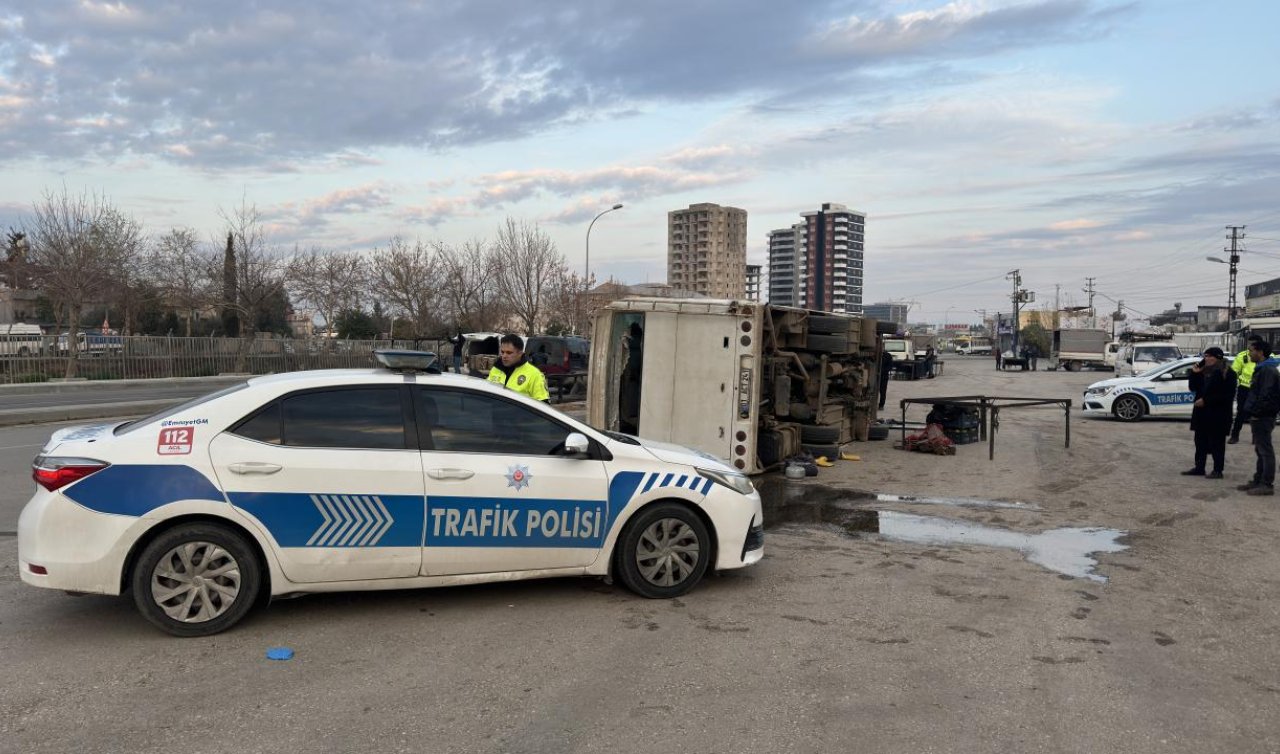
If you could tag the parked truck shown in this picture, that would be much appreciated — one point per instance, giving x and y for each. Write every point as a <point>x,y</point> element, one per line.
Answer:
<point>748,383</point>
<point>1074,350</point>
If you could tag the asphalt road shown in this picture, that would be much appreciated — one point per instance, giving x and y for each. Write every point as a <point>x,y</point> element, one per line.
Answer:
<point>18,445</point>
<point>837,641</point>
<point>83,397</point>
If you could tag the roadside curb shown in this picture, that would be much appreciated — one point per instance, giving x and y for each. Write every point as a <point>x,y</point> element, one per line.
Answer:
<point>44,415</point>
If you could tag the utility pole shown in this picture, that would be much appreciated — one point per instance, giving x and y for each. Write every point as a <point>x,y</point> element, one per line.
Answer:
<point>1088,288</point>
<point>1057,305</point>
<point>1016,277</point>
<point>1020,296</point>
<point>1234,259</point>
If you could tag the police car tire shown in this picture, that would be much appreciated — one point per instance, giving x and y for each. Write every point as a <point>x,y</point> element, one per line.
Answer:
<point>224,537</point>
<point>629,571</point>
<point>1133,415</point>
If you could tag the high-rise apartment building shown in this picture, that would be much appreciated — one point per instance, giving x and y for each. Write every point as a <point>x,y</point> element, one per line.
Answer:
<point>818,263</point>
<point>786,260</point>
<point>887,311</point>
<point>753,282</point>
<point>707,250</point>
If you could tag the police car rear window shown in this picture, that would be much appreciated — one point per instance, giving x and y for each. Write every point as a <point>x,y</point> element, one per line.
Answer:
<point>130,426</point>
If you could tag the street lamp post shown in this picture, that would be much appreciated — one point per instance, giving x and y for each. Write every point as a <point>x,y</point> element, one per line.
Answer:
<point>587,279</point>
<point>1231,294</point>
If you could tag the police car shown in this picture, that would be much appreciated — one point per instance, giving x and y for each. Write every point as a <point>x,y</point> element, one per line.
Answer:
<point>1161,391</point>
<point>382,478</point>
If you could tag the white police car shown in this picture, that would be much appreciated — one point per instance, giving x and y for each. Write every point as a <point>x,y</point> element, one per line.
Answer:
<point>369,479</point>
<point>1158,392</point>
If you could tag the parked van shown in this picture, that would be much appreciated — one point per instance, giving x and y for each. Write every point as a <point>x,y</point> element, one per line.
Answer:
<point>1142,356</point>
<point>21,340</point>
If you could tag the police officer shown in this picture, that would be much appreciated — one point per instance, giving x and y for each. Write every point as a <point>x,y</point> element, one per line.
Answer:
<point>514,371</point>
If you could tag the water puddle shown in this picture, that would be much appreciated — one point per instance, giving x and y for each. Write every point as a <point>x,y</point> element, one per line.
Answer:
<point>960,502</point>
<point>1068,550</point>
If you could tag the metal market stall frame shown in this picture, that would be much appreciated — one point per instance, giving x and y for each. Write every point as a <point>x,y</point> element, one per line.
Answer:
<point>989,413</point>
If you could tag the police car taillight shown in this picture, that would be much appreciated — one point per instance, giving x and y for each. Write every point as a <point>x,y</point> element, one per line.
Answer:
<point>52,472</point>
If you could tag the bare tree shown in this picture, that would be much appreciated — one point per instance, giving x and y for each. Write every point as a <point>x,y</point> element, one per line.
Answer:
<point>526,266</point>
<point>404,278</point>
<point>326,280</point>
<point>571,304</point>
<point>255,271</point>
<point>77,245</point>
<point>132,287</point>
<point>468,287</point>
<point>182,272</point>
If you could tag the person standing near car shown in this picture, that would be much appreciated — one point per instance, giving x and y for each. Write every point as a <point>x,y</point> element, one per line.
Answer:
<point>1214,385</point>
<point>1262,406</point>
<point>457,342</point>
<point>514,372</point>
<point>1243,367</point>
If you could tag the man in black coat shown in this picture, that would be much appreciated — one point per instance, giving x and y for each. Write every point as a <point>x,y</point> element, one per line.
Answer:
<point>1214,386</point>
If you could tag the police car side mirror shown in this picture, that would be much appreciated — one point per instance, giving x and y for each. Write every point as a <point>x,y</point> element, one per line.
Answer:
<point>577,445</point>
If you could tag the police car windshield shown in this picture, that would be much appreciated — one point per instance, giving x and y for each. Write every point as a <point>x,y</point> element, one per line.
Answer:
<point>1155,372</point>
<point>130,426</point>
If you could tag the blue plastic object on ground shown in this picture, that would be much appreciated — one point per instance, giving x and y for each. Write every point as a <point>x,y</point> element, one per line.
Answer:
<point>279,653</point>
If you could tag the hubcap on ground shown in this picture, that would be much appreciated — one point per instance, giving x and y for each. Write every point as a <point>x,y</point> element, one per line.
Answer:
<point>667,552</point>
<point>195,582</point>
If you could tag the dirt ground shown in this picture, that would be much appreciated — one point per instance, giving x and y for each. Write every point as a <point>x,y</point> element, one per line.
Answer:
<point>837,641</point>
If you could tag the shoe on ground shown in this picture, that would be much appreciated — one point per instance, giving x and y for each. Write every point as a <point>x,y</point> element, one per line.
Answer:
<point>1262,489</point>
<point>1213,475</point>
<point>1246,486</point>
<point>1193,472</point>
<point>1233,440</point>
<point>822,461</point>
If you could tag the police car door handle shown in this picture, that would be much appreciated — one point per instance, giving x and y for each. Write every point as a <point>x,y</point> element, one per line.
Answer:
<point>255,467</point>
<point>450,473</point>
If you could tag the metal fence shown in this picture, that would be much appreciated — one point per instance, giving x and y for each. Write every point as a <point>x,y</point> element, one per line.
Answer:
<point>146,357</point>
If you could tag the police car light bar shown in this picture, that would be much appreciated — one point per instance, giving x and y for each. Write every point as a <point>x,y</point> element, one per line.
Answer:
<point>405,361</point>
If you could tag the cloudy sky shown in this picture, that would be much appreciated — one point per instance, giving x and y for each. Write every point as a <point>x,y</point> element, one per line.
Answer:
<point>1067,138</point>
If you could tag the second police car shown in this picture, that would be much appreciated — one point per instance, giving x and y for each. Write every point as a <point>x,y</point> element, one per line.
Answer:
<point>369,479</point>
<point>1161,391</point>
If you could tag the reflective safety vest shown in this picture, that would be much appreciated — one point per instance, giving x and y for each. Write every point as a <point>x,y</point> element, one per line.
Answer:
<point>525,379</point>
<point>1243,367</point>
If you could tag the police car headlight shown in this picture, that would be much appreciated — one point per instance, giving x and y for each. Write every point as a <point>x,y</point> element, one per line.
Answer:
<point>739,483</point>
<point>1096,391</point>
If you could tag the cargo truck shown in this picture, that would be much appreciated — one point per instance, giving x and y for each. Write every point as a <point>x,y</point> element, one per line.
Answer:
<point>748,383</point>
<point>1074,350</point>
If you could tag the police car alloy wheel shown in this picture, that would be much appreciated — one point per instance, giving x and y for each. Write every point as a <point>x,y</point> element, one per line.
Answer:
<point>665,551</point>
<point>196,580</point>
<point>1129,408</point>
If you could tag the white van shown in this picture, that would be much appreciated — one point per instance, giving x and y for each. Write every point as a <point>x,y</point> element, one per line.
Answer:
<point>1140,356</point>
<point>21,340</point>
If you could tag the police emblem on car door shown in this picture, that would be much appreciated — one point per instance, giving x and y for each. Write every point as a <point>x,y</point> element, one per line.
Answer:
<point>500,494</point>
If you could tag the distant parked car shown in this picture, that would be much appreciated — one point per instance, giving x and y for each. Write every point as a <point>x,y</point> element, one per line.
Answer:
<point>559,354</point>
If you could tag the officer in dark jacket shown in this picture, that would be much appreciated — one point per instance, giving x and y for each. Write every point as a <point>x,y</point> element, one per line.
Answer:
<point>1262,406</point>
<point>1214,385</point>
